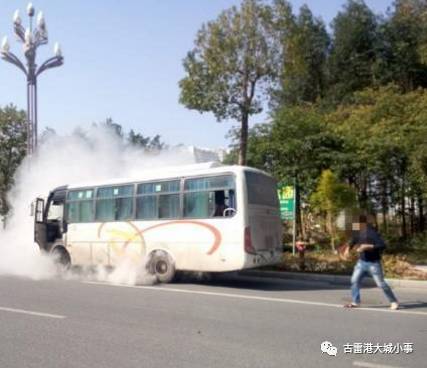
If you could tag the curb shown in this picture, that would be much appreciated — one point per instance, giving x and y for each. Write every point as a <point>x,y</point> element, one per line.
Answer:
<point>331,279</point>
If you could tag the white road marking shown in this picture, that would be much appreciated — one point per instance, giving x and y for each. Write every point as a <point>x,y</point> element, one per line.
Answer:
<point>254,297</point>
<point>31,313</point>
<point>372,365</point>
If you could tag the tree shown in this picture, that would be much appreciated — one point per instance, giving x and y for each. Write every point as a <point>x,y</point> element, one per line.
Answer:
<point>354,50</point>
<point>296,146</point>
<point>385,135</point>
<point>403,48</point>
<point>13,137</point>
<point>147,143</point>
<point>229,69</point>
<point>115,128</point>
<point>331,197</point>
<point>134,139</point>
<point>305,46</point>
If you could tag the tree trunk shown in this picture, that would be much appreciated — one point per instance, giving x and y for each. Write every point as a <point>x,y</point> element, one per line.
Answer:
<point>243,138</point>
<point>422,220</point>
<point>403,210</point>
<point>384,206</point>
<point>412,215</point>
<point>331,230</point>
<point>304,233</point>
<point>363,199</point>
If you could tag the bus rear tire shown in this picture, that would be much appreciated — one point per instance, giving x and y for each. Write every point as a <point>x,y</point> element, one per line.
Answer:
<point>162,266</point>
<point>61,258</point>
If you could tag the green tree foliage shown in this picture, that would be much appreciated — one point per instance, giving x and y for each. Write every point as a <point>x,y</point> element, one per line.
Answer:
<point>12,150</point>
<point>422,45</point>
<point>377,145</point>
<point>305,48</point>
<point>133,139</point>
<point>112,126</point>
<point>229,69</point>
<point>385,134</point>
<point>403,48</point>
<point>296,144</point>
<point>354,53</point>
<point>332,196</point>
<point>149,144</point>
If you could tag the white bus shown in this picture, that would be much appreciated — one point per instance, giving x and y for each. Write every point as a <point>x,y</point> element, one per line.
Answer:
<point>204,217</point>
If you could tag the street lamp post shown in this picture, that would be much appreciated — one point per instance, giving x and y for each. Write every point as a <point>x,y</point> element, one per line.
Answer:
<point>31,40</point>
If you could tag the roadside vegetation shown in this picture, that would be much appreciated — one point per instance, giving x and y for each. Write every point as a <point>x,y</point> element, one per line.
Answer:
<point>399,265</point>
<point>346,107</point>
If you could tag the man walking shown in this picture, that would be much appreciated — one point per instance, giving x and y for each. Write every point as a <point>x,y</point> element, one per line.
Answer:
<point>369,244</point>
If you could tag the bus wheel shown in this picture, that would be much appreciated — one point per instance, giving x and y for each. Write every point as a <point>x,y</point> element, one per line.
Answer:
<point>162,266</point>
<point>61,258</point>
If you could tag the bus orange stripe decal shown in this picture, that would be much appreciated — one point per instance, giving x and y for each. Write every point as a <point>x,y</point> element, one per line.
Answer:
<point>211,228</point>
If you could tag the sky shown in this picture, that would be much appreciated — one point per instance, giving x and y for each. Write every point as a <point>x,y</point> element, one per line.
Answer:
<point>123,59</point>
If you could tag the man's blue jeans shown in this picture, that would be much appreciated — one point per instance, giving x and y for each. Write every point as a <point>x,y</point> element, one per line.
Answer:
<point>375,270</point>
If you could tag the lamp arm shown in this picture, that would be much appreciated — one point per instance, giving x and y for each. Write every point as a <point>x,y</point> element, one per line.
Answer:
<point>40,38</point>
<point>20,32</point>
<point>52,62</point>
<point>13,59</point>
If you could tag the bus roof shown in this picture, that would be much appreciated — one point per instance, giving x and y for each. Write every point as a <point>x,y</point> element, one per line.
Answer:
<point>170,173</point>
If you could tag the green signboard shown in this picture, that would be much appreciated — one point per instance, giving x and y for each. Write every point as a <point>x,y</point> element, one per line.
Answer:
<point>287,202</point>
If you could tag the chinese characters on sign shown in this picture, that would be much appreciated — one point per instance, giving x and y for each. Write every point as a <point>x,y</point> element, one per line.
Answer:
<point>287,202</point>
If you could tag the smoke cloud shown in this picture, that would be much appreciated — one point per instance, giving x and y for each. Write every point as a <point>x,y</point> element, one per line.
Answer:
<point>94,155</point>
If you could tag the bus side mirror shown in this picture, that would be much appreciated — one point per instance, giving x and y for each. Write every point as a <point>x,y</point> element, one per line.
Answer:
<point>32,209</point>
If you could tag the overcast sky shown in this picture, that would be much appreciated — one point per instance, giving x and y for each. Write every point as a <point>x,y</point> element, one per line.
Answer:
<point>123,59</point>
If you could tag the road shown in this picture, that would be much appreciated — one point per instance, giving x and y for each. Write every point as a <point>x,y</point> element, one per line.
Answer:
<point>237,321</point>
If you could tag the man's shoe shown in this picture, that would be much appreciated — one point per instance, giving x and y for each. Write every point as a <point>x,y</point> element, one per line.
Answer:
<point>394,306</point>
<point>351,305</point>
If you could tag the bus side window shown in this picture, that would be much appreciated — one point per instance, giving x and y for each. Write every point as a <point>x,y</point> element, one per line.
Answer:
<point>158,200</point>
<point>73,212</point>
<point>146,207</point>
<point>105,209</point>
<point>198,204</point>
<point>209,197</point>
<point>80,206</point>
<point>230,203</point>
<point>169,206</point>
<point>114,203</point>
<point>224,203</point>
<point>220,205</point>
<point>232,199</point>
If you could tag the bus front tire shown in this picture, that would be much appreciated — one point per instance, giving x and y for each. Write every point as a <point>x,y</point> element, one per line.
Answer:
<point>61,258</point>
<point>162,266</point>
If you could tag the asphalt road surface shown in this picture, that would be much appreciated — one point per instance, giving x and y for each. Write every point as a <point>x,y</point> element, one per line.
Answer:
<point>234,322</point>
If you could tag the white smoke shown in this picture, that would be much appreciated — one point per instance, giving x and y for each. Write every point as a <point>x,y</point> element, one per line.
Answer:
<point>95,155</point>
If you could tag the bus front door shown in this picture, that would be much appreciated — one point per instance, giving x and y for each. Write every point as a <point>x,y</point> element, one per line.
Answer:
<point>40,226</point>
